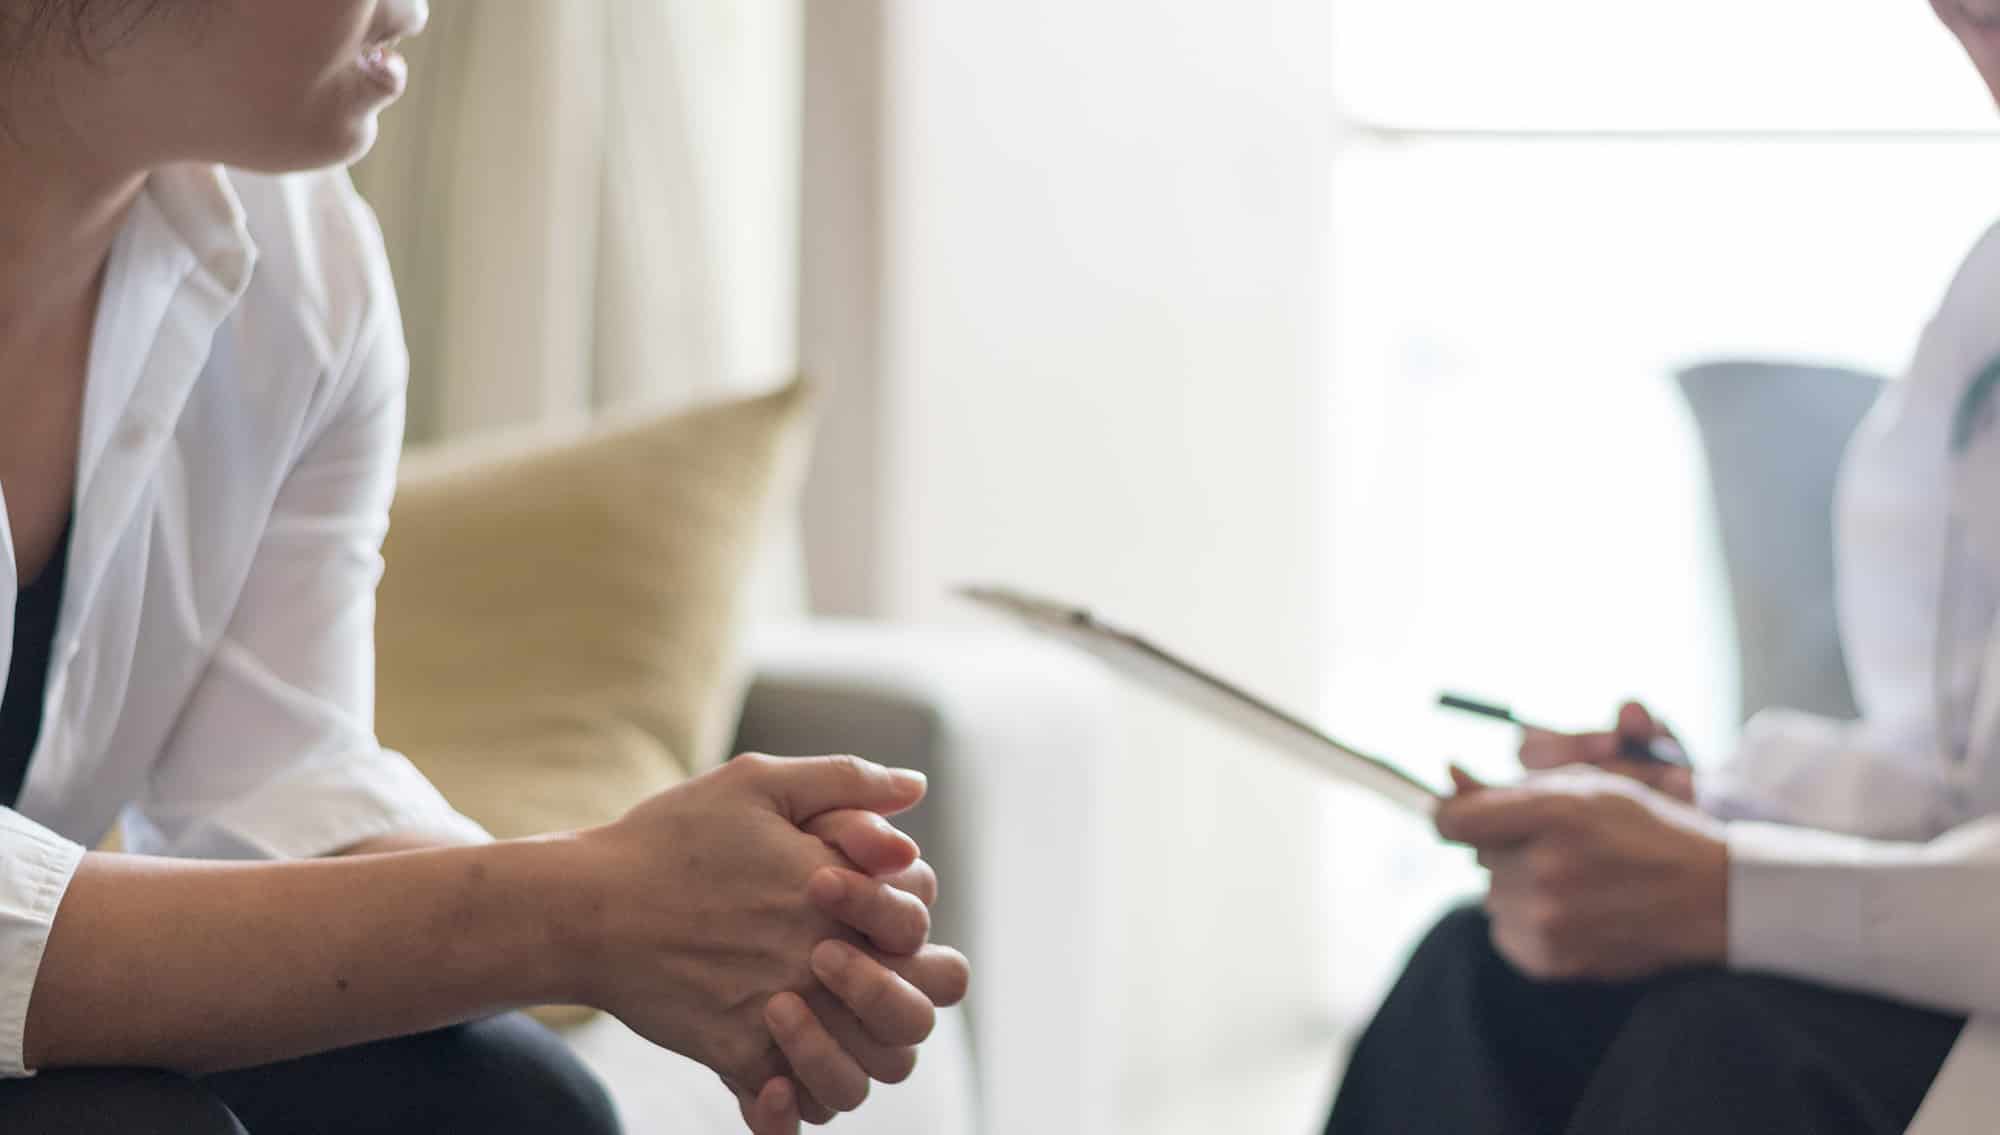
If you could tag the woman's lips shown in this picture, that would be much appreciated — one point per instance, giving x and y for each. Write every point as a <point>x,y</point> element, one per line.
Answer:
<point>380,61</point>
<point>386,68</point>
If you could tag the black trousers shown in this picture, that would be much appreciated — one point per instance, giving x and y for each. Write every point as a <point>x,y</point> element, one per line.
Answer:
<point>1465,1044</point>
<point>504,1076</point>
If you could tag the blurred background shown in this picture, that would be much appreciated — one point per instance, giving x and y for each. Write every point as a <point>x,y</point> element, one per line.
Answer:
<point>1332,341</point>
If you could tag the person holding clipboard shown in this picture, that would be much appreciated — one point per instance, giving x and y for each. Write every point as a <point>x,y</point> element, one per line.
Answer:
<point>1805,938</point>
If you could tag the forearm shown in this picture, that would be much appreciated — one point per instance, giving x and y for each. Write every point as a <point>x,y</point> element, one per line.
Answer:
<point>202,966</point>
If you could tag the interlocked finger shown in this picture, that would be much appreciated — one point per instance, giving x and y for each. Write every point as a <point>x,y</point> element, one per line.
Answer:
<point>884,1063</point>
<point>823,1069</point>
<point>894,1010</point>
<point>894,920</point>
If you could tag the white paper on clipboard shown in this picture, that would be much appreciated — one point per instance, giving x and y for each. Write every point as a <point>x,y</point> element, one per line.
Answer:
<point>1190,685</point>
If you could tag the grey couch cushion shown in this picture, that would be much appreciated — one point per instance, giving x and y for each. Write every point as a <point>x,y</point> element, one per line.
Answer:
<point>1774,434</point>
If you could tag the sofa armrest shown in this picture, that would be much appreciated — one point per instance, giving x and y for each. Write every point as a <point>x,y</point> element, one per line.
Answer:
<point>1016,736</point>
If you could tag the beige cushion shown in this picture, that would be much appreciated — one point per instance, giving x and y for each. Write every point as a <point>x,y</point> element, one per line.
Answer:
<point>558,623</point>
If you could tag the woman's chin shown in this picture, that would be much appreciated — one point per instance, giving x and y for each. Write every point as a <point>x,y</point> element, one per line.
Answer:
<point>342,126</point>
<point>358,141</point>
<point>335,143</point>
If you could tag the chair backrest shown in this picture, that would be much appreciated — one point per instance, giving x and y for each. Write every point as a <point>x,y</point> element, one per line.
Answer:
<point>1774,434</point>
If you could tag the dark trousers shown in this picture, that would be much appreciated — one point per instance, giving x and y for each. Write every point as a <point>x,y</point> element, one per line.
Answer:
<point>1465,1044</point>
<point>504,1076</point>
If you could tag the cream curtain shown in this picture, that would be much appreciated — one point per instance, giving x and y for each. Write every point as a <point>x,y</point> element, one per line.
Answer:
<point>590,203</point>
<point>593,204</point>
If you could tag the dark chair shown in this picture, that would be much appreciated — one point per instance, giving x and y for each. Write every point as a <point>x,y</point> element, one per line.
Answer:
<point>1774,434</point>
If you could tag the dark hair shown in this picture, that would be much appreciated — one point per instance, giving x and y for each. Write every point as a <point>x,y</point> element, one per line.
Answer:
<point>83,27</point>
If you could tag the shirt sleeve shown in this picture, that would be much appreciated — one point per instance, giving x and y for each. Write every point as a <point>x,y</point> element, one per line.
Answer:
<point>1911,921</point>
<point>36,866</point>
<point>1853,777</point>
<point>1898,892</point>
<point>275,754</point>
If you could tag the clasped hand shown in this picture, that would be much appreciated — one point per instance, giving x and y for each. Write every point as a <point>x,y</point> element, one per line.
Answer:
<point>1595,875</point>
<point>766,921</point>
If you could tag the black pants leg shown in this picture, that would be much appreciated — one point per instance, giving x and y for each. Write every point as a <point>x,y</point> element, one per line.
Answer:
<point>1465,1044</point>
<point>113,1101</point>
<point>504,1076</point>
<point>1765,1055</point>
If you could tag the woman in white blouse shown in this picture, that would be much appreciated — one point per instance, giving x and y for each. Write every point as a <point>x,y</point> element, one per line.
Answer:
<point>1805,938</point>
<point>201,397</point>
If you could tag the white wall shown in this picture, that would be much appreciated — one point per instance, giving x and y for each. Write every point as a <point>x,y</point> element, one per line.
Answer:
<point>1092,287</point>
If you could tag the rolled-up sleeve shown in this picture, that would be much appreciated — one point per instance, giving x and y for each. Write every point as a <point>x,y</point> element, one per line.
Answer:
<point>275,754</point>
<point>36,866</point>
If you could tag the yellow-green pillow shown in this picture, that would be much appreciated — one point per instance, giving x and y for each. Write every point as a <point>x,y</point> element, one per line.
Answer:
<point>557,628</point>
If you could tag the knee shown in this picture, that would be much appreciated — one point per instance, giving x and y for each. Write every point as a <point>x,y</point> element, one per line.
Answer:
<point>1706,1047</point>
<point>185,1105</point>
<point>1462,937</point>
<point>1449,967</point>
<point>1698,1008</point>
<point>1711,1027</point>
<point>519,1077</point>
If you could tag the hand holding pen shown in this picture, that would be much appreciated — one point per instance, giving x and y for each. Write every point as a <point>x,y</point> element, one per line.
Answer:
<point>1638,746</point>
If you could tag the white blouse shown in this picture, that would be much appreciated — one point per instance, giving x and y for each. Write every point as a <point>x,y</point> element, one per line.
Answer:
<point>1866,855</point>
<point>211,679</point>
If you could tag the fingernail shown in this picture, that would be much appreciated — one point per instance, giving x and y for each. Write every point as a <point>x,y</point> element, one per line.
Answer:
<point>910,779</point>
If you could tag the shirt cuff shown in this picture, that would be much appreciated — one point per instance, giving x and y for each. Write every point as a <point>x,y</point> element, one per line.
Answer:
<point>1798,903</point>
<point>36,866</point>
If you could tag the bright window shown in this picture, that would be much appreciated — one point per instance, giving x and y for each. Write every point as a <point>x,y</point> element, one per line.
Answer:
<point>1839,65</point>
<point>1544,209</point>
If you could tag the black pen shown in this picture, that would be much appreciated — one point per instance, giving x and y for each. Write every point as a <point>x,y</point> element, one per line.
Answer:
<point>1662,750</point>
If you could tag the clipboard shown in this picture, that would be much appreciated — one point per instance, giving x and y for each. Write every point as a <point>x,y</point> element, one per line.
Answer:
<point>1186,684</point>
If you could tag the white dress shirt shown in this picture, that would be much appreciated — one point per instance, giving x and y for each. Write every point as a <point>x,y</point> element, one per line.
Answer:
<point>212,672</point>
<point>1866,855</point>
